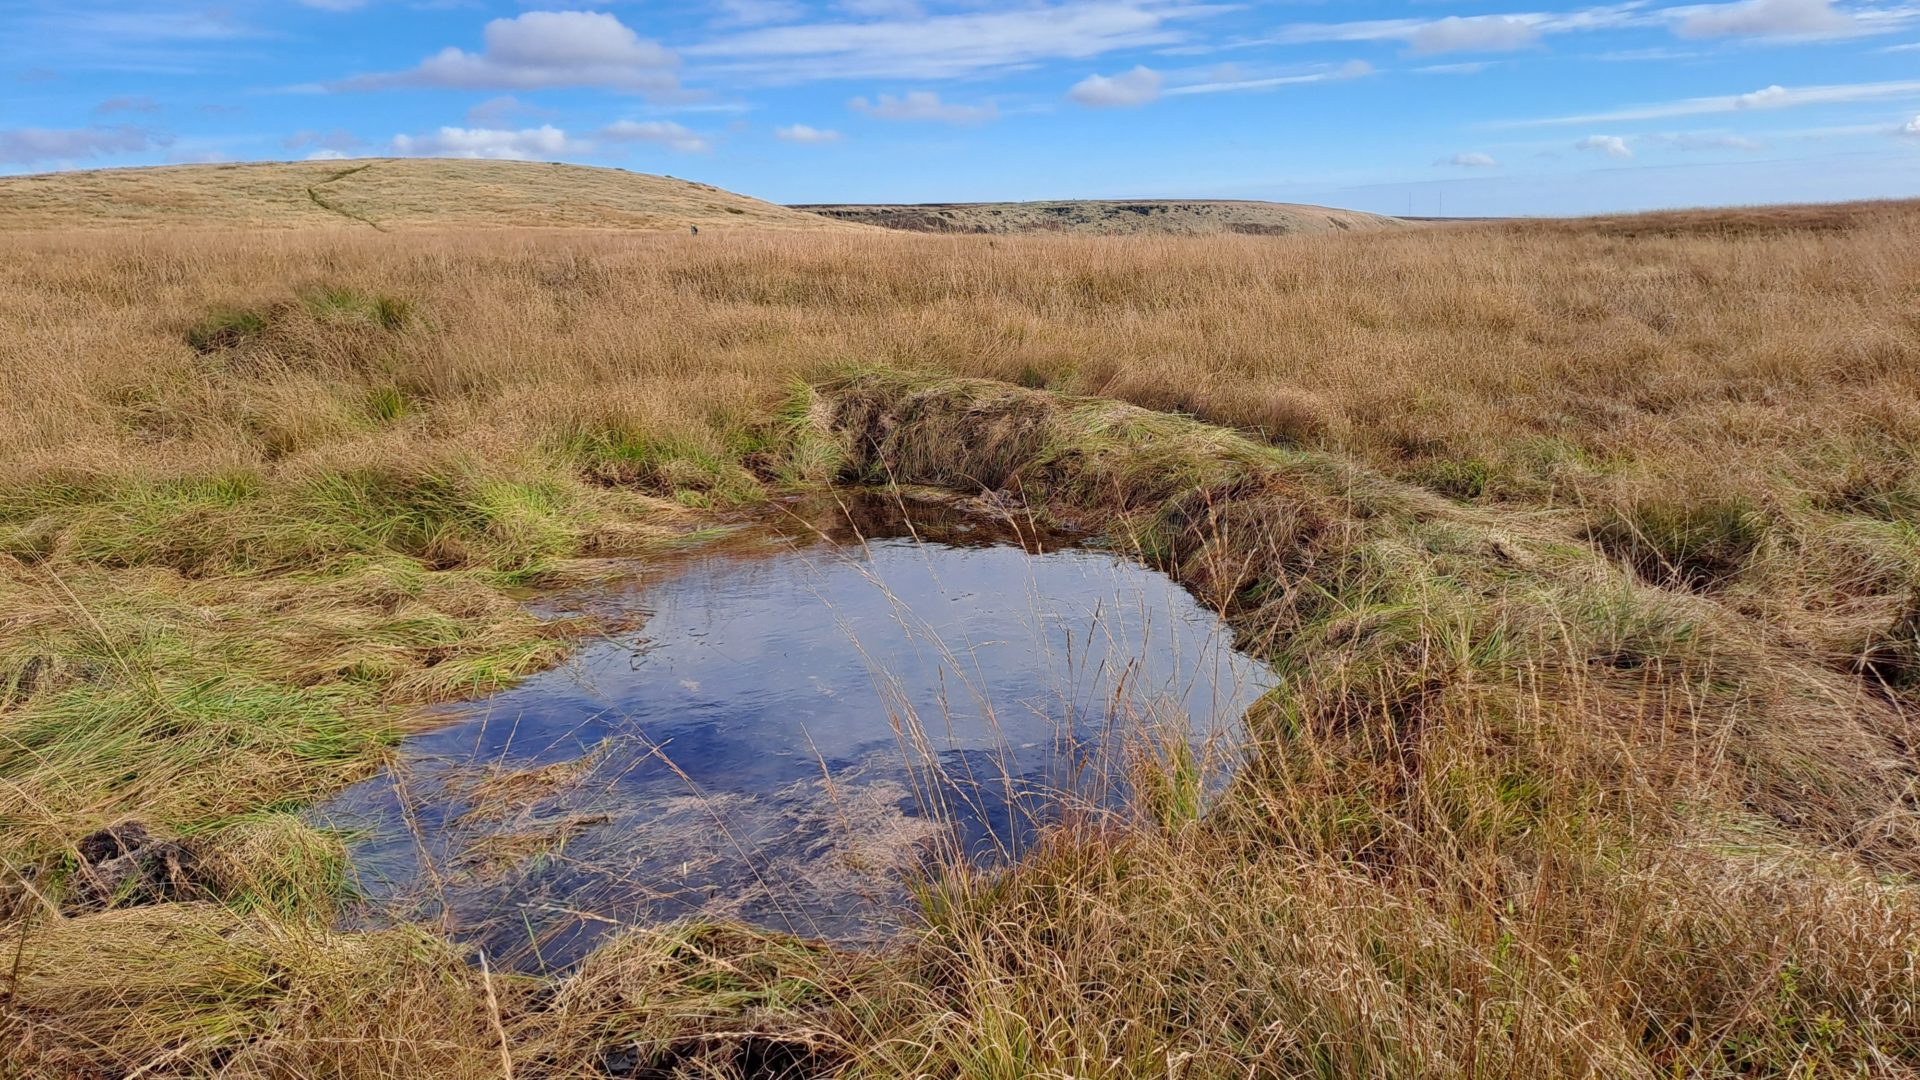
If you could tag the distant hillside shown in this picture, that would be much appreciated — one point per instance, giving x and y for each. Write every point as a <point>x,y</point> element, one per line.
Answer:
<point>1111,217</point>
<point>383,193</point>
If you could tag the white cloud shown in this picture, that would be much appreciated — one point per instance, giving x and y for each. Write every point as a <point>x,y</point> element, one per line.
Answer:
<point>805,133</point>
<point>1913,46</point>
<point>922,105</point>
<point>664,132</point>
<point>1125,90</point>
<point>1479,33</point>
<point>1912,128</point>
<point>541,49</point>
<point>1470,160</point>
<point>1767,18</point>
<point>327,155</point>
<point>1770,98</point>
<point>24,146</point>
<point>545,141</point>
<point>1611,145</point>
<point>1773,97</point>
<point>911,45</point>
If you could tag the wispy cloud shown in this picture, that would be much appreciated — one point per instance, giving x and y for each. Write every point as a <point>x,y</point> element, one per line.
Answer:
<point>1520,30</point>
<point>152,36</point>
<point>1479,33</point>
<point>1472,33</point>
<point>731,13</point>
<point>28,146</point>
<point>1700,141</point>
<point>1470,160</point>
<point>497,112</point>
<point>1353,69</point>
<point>918,46</point>
<point>1768,18</point>
<point>1772,97</point>
<point>134,104</point>
<point>660,132</point>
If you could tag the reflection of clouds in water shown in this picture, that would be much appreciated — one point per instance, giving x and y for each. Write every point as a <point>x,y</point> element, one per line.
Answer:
<point>795,734</point>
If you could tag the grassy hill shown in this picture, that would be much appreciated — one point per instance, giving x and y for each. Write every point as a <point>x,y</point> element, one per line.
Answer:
<point>383,193</point>
<point>1112,217</point>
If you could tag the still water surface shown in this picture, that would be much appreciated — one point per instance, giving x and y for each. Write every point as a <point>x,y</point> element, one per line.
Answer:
<point>799,722</point>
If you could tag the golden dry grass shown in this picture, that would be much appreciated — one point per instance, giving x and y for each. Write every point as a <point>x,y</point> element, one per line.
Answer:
<point>383,193</point>
<point>1587,557</point>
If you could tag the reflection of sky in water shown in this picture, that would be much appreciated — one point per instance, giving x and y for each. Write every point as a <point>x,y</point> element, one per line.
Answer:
<point>787,734</point>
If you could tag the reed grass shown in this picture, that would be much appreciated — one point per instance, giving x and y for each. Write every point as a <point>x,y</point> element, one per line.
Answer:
<point>1586,556</point>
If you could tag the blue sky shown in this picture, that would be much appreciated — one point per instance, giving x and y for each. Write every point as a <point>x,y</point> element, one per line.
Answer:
<point>1422,106</point>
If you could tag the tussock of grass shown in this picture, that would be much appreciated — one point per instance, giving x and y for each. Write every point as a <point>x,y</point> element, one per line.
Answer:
<point>1686,543</point>
<point>196,989</point>
<point>225,330</point>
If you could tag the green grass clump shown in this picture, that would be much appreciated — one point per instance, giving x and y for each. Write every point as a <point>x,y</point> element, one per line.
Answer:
<point>692,471</point>
<point>343,303</point>
<point>226,329</point>
<point>277,864</point>
<point>388,404</point>
<point>447,514</point>
<point>1696,543</point>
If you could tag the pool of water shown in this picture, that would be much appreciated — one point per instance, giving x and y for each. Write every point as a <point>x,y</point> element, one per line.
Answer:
<point>802,719</point>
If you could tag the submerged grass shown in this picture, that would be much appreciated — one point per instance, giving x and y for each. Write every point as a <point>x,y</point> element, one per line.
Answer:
<point>1591,591</point>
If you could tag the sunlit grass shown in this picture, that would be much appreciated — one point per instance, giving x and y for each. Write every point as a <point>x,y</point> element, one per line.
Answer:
<point>1586,556</point>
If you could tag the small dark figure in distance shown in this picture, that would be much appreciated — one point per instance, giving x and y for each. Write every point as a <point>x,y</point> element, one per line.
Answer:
<point>693,230</point>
